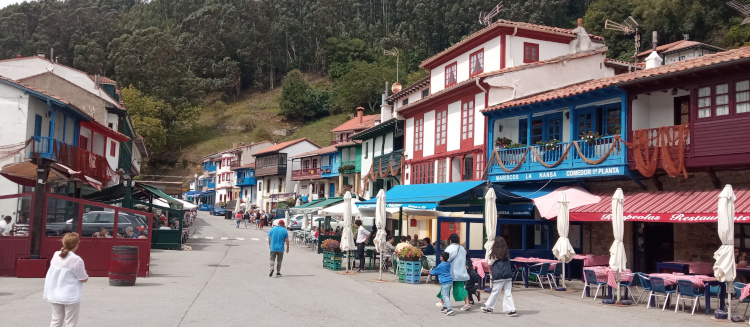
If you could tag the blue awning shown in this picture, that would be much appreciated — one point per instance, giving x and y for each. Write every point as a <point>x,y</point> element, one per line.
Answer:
<point>519,191</point>
<point>427,196</point>
<point>194,194</point>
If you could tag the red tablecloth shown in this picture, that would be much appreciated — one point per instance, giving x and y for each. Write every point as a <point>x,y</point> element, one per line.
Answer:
<point>593,260</point>
<point>481,266</point>
<point>552,263</point>
<point>697,267</point>
<point>671,279</point>
<point>745,292</point>
<point>605,274</point>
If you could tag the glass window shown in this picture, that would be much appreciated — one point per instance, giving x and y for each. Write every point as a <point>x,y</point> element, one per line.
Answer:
<point>480,167</point>
<point>704,102</point>
<point>476,62</point>
<point>405,102</point>
<point>742,96</point>
<point>467,120</point>
<point>536,237</point>
<point>530,52</point>
<point>537,130</point>
<point>441,127</point>
<point>722,99</point>
<point>468,168</point>
<point>450,74</point>
<point>442,171</point>
<point>425,93</point>
<point>418,132</point>
<point>611,120</point>
<point>512,235</point>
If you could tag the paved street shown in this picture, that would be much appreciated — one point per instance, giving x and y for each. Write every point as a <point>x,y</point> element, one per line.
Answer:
<point>185,290</point>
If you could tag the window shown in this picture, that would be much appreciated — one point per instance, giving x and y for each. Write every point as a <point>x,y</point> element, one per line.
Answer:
<point>611,120</point>
<point>281,181</point>
<point>442,171</point>
<point>441,127</point>
<point>530,52</point>
<point>681,58</point>
<point>425,93</point>
<point>742,97</point>
<point>418,131</point>
<point>713,101</point>
<point>468,168</point>
<point>306,164</point>
<point>467,120</point>
<point>450,75</point>
<point>423,173</point>
<point>315,163</point>
<point>111,126</point>
<point>367,149</point>
<point>544,128</point>
<point>405,102</point>
<point>476,63</point>
<point>480,167</point>
<point>83,142</point>
<point>112,148</point>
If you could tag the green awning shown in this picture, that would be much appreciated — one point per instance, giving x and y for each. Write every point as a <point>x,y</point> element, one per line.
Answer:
<point>173,203</point>
<point>325,203</point>
<point>307,205</point>
<point>140,192</point>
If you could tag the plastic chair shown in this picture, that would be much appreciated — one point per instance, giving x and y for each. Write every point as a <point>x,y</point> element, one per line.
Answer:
<point>738,291</point>
<point>518,272</point>
<point>590,276</point>
<point>645,285</point>
<point>629,285</point>
<point>687,292</point>
<point>543,272</point>
<point>659,289</point>
<point>556,273</point>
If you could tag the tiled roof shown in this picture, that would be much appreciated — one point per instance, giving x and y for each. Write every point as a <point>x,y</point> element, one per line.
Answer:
<point>682,44</point>
<point>411,88</point>
<point>505,71</point>
<point>350,143</point>
<point>328,149</point>
<point>676,68</point>
<point>283,145</point>
<point>251,166</point>
<point>103,80</point>
<point>511,24</point>
<point>354,124</point>
<point>615,62</point>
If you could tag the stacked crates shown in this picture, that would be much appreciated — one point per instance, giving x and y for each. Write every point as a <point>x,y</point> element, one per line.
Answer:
<point>412,271</point>
<point>332,260</point>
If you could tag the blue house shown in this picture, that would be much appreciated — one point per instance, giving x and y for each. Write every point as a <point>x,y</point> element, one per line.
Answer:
<point>246,181</point>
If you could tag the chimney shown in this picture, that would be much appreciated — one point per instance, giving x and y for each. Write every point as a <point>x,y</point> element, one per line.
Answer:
<point>41,55</point>
<point>582,42</point>
<point>653,60</point>
<point>360,114</point>
<point>654,40</point>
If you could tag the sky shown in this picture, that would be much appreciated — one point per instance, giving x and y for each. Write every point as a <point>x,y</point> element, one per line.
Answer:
<point>5,3</point>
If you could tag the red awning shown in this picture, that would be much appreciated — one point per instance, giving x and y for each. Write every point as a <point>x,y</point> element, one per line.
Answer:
<point>666,206</point>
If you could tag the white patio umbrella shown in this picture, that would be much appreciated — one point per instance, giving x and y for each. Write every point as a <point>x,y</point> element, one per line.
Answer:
<point>380,216</point>
<point>617,259</point>
<point>347,237</point>
<point>563,250</point>
<point>490,221</point>
<point>724,268</point>
<point>236,206</point>
<point>296,204</point>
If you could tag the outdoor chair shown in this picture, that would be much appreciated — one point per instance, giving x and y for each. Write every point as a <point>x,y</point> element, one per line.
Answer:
<point>629,285</point>
<point>645,285</point>
<point>738,291</point>
<point>541,272</point>
<point>591,280</point>
<point>659,289</point>
<point>555,274</point>
<point>687,292</point>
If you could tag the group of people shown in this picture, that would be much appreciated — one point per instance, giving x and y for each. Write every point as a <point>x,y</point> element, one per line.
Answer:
<point>19,228</point>
<point>456,272</point>
<point>259,217</point>
<point>129,233</point>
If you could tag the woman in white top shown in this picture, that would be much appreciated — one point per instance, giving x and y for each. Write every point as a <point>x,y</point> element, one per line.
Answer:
<point>64,283</point>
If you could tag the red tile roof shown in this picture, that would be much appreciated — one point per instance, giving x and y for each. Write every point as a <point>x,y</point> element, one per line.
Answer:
<point>354,124</point>
<point>252,166</point>
<point>350,143</point>
<point>741,54</point>
<point>411,88</point>
<point>283,145</point>
<point>328,149</point>
<point>507,23</point>
<point>682,44</point>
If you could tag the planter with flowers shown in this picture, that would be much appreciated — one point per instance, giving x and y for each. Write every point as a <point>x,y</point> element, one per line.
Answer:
<point>590,137</point>
<point>410,268</point>
<point>331,254</point>
<point>503,142</point>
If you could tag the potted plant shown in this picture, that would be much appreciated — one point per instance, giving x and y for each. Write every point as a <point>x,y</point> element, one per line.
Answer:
<point>590,137</point>
<point>503,142</point>
<point>516,145</point>
<point>331,254</point>
<point>331,245</point>
<point>410,253</point>
<point>548,145</point>
<point>347,168</point>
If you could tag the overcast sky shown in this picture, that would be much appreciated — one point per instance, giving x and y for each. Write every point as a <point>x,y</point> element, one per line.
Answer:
<point>5,3</point>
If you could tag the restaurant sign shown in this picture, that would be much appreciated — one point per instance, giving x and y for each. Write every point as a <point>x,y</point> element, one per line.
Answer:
<point>525,209</point>
<point>658,217</point>
<point>560,174</point>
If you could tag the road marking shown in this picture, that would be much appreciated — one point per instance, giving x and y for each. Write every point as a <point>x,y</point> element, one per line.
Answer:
<point>255,239</point>
<point>240,239</point>
<point>209,238</point>
<point>224,238</point>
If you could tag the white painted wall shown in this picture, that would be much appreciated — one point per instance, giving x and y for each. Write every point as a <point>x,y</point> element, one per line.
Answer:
<point>429,133</point>
<point>413,97</point>
<point>479,119</point>
<point>454,126</point>
<point>655,110</point>
<point>112,119</point>
<point>388,147</point>
<point>98,144</point>
<point>491,63</point>
<point>547,49</point>
<point>409,138</point>
<point>17,128</point>
<point>113,161</point>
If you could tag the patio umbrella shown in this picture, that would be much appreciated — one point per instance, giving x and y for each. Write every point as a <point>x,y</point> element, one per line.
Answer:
<point>380,216</point>
<point>236,206</point>
<point>617,259</point>
<point>490,221</point>
<point>563,250</point>
<point>724,268</point>
<point>347,237</point>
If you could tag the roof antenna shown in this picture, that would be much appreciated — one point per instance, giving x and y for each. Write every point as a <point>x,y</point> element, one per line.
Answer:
<point>744,9</point>
<point>486,19</point>
<point>629,26</point>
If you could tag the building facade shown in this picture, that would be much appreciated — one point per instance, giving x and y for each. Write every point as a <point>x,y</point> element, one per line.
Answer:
<point>274,173</point>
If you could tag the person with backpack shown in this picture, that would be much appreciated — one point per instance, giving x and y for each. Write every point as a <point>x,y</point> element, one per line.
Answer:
<point>501,273</point>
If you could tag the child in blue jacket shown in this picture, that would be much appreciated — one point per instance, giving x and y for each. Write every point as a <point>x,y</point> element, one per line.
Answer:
<point>443,271</point>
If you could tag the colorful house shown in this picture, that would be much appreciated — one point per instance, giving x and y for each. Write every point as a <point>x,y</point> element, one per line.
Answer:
<point>273,174</point>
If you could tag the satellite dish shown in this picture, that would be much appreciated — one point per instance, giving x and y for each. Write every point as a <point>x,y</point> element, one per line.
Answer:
<point>744,9</point>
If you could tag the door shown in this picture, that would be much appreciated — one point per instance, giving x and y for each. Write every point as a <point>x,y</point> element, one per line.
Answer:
<point>585,121</point>
<point>682,110</point>
<point>332,190</point>
<point>654,242</point>
<point>37,125</point>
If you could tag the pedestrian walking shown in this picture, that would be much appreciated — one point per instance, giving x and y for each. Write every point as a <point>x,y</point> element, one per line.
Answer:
<point>64,283</point>
<point>457,259</point>
<point>471,284</point>
<point>363,235</point>
<point>238,218</point>
<point>246,218</point>
<point>256,218</point>
<point>278,237</point>
<point>501,278</point>
<point>443,271</point>
<point>263,220</point>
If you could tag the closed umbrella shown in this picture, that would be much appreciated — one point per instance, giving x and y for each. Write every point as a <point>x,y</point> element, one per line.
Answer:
<point>724,268</point>
<point>617,259</point>
<point>347,237</point>
<point>563,250</point>
<point>490,221</point>
<point>380,216</point>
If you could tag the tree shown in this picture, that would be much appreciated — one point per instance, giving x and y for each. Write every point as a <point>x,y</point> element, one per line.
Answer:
<point>301,102</point>
<point>362,85</point>
<point>144,112</point>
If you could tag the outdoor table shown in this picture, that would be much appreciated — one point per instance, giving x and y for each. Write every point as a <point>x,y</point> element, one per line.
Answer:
<point>482,268</point>
<point>700,281</point>
<point>722,293</point>
<point>606,274</point>
<point>592,260</point>
<point>528,262</point>
<point>686,267</point>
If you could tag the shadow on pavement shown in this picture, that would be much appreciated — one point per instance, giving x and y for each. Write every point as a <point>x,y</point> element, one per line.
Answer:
<point>527,312</point>
<point>5,293</point>
<point>148,284</point>
<point>285,276</point>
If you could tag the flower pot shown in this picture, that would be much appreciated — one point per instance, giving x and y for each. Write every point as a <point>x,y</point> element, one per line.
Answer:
<point>410,259</point>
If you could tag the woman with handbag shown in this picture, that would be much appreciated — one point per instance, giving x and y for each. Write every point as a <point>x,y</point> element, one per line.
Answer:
<point>501,278</point>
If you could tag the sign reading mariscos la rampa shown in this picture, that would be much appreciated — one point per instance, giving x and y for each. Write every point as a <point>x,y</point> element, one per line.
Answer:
<point>657,217</point>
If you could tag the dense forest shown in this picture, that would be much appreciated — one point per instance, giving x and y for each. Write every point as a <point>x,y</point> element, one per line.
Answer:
<point>173,55</point>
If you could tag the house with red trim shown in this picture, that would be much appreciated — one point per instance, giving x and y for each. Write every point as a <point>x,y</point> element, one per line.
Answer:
<point>274,172</point>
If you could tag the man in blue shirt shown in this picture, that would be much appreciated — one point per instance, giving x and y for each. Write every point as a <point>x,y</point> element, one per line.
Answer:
<point>277,238</point>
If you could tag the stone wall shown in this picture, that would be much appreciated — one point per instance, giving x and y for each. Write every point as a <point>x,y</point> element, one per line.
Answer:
<point>695,242</point>
<point>598,238</point>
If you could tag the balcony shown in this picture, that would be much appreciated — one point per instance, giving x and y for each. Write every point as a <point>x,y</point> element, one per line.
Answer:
<point>345,165</point>
<point>246,181</point>
<point>211,185</point>
<point>603,157</point>
<point>234,164</point>
<point>270,165</point>
<point>90,164</point>
<point>393,159</point>
<point>306,174</point>
<point>209,168</point>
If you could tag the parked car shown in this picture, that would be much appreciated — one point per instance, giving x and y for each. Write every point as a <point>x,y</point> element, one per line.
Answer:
<point>219,210</point>
<point>295,223</point>
<point>279,213</point>
<point>95,220</point>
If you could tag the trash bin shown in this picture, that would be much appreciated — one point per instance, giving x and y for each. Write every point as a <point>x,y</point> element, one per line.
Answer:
<point>229,215</point>
<point>123,266</point>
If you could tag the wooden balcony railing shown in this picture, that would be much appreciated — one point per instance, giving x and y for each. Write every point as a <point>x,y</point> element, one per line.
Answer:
<point>90,164</point>
<point>304,174</point>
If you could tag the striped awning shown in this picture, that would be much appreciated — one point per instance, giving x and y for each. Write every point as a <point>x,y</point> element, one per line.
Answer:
<point>666,206</point>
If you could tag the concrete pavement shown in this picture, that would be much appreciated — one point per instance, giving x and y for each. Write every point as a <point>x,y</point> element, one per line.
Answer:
<point>187,288</point>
